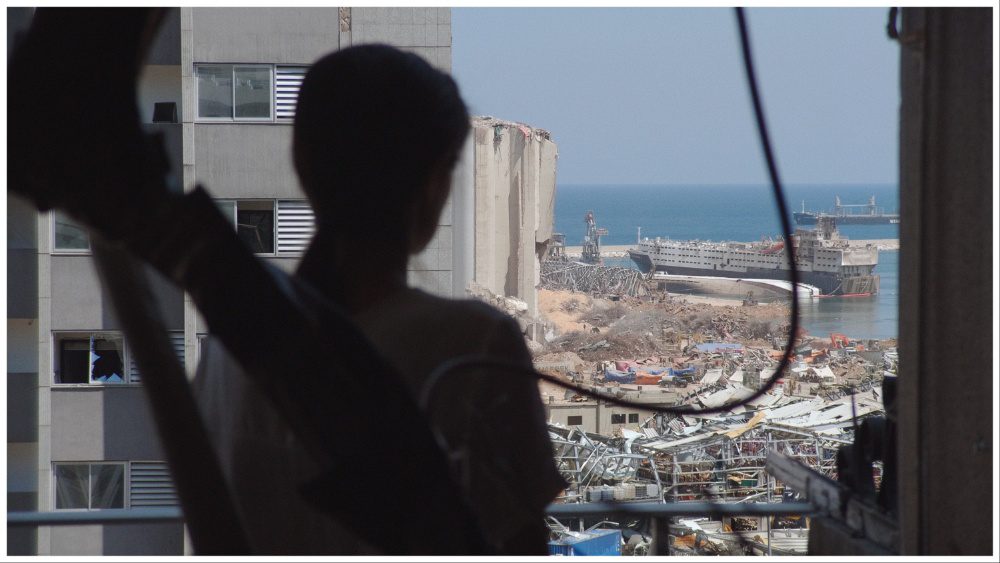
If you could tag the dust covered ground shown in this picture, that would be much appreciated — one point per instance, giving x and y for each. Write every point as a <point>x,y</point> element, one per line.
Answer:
<point>602,329</point>
<point>584,331</point>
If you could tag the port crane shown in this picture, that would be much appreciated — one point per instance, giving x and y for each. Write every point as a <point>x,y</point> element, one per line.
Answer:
<point>591,253</point>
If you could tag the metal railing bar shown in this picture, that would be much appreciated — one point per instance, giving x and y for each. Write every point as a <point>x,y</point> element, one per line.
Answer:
<point>110,516</point>
<point>681,509</point>
<point>161,515</point>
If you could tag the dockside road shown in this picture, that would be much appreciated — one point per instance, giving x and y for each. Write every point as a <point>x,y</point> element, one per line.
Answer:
<point>621,251</point>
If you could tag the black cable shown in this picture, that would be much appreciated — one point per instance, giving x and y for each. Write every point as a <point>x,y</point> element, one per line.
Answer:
<point>786,229</point>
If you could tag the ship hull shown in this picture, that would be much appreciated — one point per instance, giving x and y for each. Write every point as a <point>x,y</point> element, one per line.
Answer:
<point>828,283</point>
<point>810,219</point>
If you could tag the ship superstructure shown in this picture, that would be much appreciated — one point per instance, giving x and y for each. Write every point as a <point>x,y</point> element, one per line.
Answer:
<point>824,259</point>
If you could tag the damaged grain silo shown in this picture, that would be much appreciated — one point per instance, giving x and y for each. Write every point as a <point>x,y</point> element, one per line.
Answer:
<point>515,187</point>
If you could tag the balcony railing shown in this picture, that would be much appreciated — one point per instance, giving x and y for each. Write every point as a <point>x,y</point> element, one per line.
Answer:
<point>659,513</point>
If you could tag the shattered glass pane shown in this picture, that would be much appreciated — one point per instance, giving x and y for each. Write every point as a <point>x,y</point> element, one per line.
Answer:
<point>107,359</point>
<point>255,225</point>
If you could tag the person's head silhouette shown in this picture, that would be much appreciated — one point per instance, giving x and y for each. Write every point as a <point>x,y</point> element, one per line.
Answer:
<point>377,133</point>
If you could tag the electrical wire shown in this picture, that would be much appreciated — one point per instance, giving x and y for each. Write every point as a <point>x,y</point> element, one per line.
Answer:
<point>480,361</point>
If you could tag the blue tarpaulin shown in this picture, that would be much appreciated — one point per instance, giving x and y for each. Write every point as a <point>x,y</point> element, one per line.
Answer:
<point>712,347</point>
<point>619,376</point>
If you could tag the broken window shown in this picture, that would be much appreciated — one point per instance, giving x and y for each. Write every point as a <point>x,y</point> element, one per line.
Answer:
<point>90,358</point>
<point>67,235</point>
<point>618,419</point>
<point>633,417</point>
<point>254,221</point>
<point>90,485</point>
<point>574,421</point>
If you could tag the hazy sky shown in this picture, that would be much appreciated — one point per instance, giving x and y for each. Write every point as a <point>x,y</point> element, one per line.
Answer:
<point>658,95</point>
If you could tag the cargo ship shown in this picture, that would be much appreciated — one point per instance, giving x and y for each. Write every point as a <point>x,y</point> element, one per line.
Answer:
<point>824,259</point>
<point>860,214</point>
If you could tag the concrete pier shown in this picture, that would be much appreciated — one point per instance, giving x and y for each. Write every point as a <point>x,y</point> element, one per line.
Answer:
<point>621,251</point>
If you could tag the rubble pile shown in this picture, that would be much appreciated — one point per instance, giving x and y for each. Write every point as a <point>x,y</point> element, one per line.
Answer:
<point>632,328</point>
<point>511,305</point>
<point>705,355</point>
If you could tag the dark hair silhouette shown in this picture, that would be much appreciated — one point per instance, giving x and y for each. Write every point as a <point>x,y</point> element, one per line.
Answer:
<point>371,125</point>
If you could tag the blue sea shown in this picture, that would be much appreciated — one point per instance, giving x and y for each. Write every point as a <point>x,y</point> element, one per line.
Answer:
<point>742,213</point>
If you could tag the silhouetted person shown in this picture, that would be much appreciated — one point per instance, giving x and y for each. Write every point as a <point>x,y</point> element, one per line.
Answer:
<point>377,134</point>
<point>295,392</point>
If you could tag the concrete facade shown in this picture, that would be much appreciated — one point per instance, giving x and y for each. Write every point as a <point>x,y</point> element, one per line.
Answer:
<point>51,291</point>
<point>515,186</point>
<point>596,416</point>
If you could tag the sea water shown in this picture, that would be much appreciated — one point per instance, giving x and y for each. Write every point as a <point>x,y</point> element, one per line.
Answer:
<point>742,213</point>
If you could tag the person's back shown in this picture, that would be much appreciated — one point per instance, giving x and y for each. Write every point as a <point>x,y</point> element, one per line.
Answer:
<point>377,133</point>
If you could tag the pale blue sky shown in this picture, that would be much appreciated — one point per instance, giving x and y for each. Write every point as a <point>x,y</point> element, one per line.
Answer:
<point>658,95</point>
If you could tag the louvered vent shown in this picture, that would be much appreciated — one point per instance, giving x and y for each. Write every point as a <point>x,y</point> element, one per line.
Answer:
<point>296,225</point>
<point>176,339</point>
<point>150,485</point>
<point>287,80</point>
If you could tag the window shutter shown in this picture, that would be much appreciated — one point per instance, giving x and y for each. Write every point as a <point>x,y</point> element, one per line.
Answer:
<point>176,340</point>
<point>296,225</point>
<point>287,80</point>
<point>150,485</point>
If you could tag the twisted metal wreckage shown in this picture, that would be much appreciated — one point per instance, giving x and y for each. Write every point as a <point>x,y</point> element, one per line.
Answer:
<point>719,459</point>
<point>590,278</point>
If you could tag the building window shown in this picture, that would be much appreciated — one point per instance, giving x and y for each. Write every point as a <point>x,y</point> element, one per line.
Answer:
<point>241,92</point>
<point>68,235</point>
<point>269,226</point>
<point>252,92</point>
<point>90,486</point>
<point>633,418</point>
<point>215,91</point>
<point>89,358</point>
<point>574,420</point>
<point>254,221</point>
<point>100,485</point>
<point>234,92</point>
<point>617,419</point>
